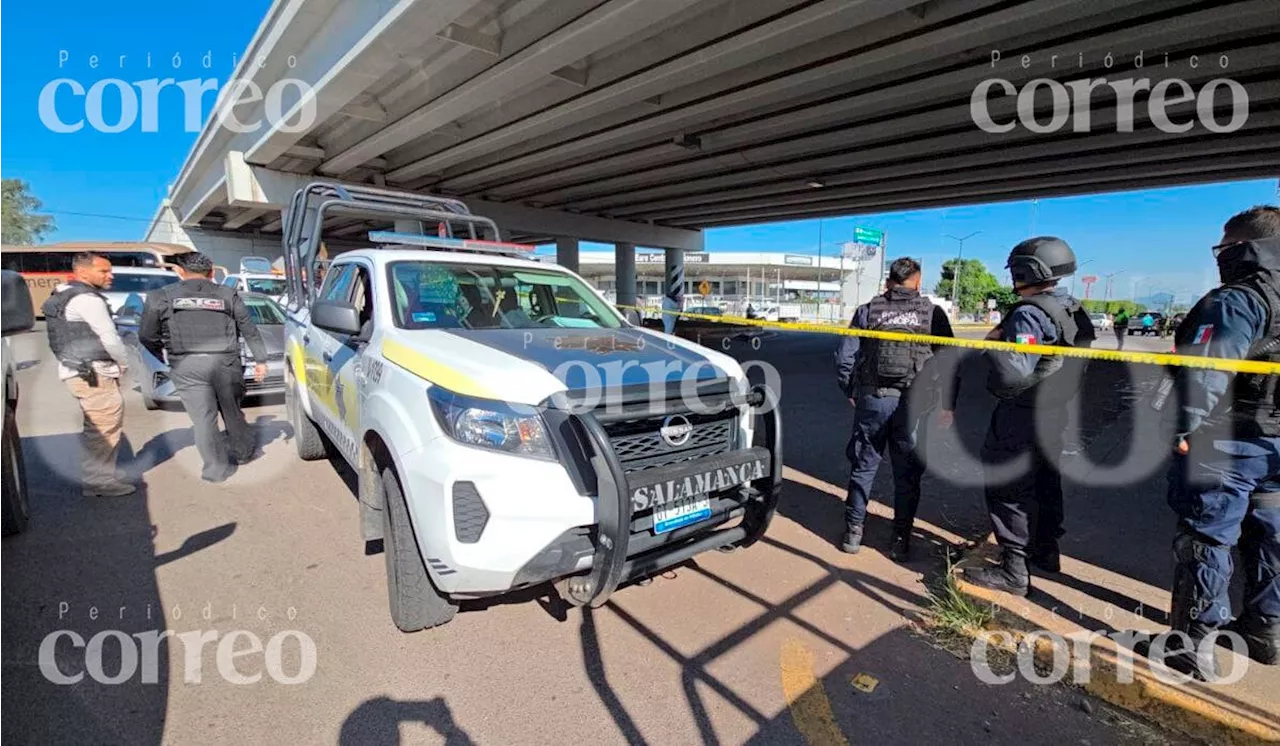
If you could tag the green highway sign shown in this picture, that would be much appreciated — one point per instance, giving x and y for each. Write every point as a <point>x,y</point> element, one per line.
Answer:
<point>868,236</point>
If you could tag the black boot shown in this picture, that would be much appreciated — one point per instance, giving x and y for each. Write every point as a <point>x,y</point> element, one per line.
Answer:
<point>1193,658</point>
<point>1009,576</point>
<point>900,547</point>
<point>1044,556</point>
<point>1187,655</point>
<point>1261,638</point>
<point>852,541</point>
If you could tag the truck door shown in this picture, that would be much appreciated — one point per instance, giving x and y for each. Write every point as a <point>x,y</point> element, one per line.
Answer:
<point>333,359</point>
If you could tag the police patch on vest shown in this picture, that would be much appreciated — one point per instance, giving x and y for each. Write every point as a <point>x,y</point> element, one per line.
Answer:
<point>1026,339</point>
<point>1203,335</point>
<point>199,304</point>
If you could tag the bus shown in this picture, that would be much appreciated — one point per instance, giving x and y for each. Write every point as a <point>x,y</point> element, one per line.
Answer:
<point>47,266</point>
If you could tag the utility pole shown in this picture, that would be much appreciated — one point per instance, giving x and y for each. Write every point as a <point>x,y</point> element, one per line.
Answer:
<point>955,281</point>
<point>1107,297</point>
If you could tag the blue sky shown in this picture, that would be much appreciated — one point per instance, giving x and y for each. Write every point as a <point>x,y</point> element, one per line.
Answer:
<point>107,186</point>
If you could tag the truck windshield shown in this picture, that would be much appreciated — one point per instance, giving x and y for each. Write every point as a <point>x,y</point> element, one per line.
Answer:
<point>431,295</point>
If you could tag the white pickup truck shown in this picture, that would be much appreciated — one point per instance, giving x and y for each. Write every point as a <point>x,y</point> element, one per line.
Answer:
<point>509,426</point>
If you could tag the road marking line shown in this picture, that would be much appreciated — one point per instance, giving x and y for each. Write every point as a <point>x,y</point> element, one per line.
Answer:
<point>1148,358</point>
<point>807,698</point>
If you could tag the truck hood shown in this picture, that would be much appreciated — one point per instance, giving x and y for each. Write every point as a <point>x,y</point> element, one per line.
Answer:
<point>527,366</point>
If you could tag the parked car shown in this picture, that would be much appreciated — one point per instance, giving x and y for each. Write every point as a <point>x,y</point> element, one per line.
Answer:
<point>18,317</point>
<point>267,283</point>
<point>152,375</point>
<point>1101,321</point>
<point>127,281</point>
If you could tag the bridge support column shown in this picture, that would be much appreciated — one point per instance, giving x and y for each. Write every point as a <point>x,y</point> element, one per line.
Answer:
<point>624,262</point>
<point>673,298</point>
<point>567,253</point>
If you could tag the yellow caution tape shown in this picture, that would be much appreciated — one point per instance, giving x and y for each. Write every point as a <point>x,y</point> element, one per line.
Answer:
<point>1148,358</point>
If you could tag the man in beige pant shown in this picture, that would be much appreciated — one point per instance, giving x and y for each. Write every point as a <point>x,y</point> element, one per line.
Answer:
<point>91,360</point>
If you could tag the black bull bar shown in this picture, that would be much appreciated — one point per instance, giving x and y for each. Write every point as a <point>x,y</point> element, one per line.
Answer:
<point>611,565</point>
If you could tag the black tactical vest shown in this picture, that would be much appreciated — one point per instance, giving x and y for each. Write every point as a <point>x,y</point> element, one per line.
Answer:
<point>1254,398</point>
<point>883,364</point>
<point>74,343</point>
<point>1252,402</point>
<point>200,319</point>
<point>1074,329</point>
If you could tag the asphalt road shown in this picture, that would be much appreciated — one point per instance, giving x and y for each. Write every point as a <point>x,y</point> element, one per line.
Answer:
<point>758,646</point>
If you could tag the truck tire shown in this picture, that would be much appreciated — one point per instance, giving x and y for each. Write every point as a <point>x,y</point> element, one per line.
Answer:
<point>14,512</point>
<point>415,602</point>
<point>306,436</point>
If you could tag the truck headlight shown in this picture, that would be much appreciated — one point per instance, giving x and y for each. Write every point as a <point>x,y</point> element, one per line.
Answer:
<point>491,424</point>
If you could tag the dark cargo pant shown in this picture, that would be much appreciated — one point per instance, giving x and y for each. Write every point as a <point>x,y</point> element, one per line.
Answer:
<point>1226,492</point>
<point>1026,511</point>
<point>209,385</point>
<point>881,422</point>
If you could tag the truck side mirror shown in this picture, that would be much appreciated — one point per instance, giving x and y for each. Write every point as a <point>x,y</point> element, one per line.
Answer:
<point>19,315</point>
<point>336,316</point>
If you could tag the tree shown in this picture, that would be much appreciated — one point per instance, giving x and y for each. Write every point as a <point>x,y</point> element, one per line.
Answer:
<point>1004,298</point>
<point>21,224</point>
<point>1112,307</point>
<point>976,283</point>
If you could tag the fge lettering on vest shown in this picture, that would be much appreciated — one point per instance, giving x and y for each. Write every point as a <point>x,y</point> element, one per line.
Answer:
<point>656,495</point>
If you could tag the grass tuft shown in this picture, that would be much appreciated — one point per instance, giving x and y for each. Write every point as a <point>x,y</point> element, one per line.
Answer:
<point>953,613</point>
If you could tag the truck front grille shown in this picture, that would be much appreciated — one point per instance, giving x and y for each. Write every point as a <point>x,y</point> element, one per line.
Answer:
<point>639,443</point>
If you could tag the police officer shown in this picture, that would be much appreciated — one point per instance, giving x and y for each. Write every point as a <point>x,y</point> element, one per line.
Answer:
<point>1031,414</point>
<point>877,377</point>
<point>199,323</point>
<point>1224,482</point>
<point>91,361</point>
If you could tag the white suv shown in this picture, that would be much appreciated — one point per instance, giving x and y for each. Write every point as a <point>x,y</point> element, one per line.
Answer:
<point>18,317</point>
<point>509,426</point>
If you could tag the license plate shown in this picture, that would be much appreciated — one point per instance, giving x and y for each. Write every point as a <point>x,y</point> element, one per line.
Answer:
<point>681,513</point>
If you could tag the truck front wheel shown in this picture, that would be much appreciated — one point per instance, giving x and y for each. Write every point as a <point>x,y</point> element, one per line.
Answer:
<point>306,436</point>
<point>15,477</point>
<point>415,602</point>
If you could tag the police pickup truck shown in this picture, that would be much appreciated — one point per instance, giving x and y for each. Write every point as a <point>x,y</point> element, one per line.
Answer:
<point>510,428</point>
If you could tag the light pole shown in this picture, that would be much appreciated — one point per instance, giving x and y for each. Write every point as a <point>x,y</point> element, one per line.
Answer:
<point>1073,277</point>
<point>1107,296</point>
<point>955,279</point>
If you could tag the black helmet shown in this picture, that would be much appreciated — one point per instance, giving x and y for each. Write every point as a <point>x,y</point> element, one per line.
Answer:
<point>1038,260</point>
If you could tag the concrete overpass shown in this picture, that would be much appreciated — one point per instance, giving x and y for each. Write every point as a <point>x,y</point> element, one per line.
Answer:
<point>643,122</point>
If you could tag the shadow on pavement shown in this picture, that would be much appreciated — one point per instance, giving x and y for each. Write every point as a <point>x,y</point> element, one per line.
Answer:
<point>378,721</point>
<point>85,566</point>
<point>921,694</point>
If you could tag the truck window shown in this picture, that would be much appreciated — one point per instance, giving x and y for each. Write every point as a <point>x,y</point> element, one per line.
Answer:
<point>337,284</point>
<point>431,295</point>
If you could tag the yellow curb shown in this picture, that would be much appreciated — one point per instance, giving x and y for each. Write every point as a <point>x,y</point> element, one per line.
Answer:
<point>1196,709</point>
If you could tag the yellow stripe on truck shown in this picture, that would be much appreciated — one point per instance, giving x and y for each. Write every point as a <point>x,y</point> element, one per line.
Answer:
<point>433,371</point>
<point>1149,358</point>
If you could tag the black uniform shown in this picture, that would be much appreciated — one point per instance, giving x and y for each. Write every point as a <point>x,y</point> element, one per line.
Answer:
<point>1023,447</point>
<point>200,325</point>
<point>1026,511</point>
<point>878,375</point>
<point>1226,490</point>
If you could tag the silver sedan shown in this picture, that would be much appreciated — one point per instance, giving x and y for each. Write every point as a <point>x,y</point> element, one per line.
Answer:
<point>151,375</point>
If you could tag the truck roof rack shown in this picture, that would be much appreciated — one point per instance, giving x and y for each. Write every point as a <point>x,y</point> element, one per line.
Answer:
<point>418,240</point>
<point>304,224</point>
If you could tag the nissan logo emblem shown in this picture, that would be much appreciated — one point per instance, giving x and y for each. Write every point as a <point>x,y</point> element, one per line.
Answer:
<point>675,430</point>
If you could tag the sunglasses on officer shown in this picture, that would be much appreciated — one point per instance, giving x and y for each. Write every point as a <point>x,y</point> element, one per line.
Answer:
<point>1217,250</point>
